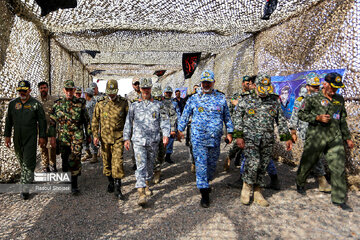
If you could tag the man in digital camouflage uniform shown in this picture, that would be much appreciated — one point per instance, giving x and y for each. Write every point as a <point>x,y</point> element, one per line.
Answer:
<point>26,115</point>
<point>48,153</point>
<point>209,111</point>
<point>107,127</point>
<point>298,127</point>
<point>254,132</point>
<point>173,115</point>
<point>91,151</point>
<point>146,118</point>
<point>327,132</point>
<point>133,96</point>
<point>69,117</point>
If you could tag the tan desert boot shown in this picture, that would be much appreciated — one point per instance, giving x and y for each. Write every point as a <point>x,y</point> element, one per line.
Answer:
<point>246,194</point>
<point>142,197</point>
<point>258,197</point>
<point>324,186</point>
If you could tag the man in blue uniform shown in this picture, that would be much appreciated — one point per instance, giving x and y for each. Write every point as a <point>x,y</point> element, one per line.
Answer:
<point>209,110</point>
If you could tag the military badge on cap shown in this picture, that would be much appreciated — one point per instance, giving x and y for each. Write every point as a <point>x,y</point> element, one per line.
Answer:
<point>334,79</point>
<point>207,76</point>
<point>112,87</point>
<point>23,85</point>
<point>201,109</point>
<point>145,83</point>
<point>251,111</point>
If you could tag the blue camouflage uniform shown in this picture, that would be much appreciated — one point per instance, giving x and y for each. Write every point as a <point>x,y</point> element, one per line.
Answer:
<point>145,120</point>
<point>208,112</point>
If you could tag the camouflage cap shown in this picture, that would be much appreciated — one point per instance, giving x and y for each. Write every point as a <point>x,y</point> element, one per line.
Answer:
<point>246,78</point>
<point>145,83</point>
<point>23,85</point>
<point>69,84</point>
<point>89,91</point>
<point>335,80</point>
<point>207,76</point>
<point>263,84</point>
<point>156,92</point>
<point>312,79</point>
<point>93,85</point>
<point>112,87</point>
<point>168,89</point>
<point>78,90</point>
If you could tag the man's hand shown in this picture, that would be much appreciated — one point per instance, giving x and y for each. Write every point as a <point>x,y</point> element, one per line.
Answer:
<point>324,118</point>
<point>96,141</point>
<point>288,145</point>
<point>8,142</point>
<point>181,135</point>
<point>53,142</point>
<point>293,135</point>
<point>126,144</point>
<point>42,142</point>
<point>173,134</point>
<point>165,141</point>
<point>229,138</point>
<point>350,143</point>
<point>240,143</point>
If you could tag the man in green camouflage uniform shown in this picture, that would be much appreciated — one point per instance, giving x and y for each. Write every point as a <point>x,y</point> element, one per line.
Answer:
<point>173,116</point>
<point>69,117</point>
<point>107,127</point>
<point>325,112</point>
<point>48,153</point>
<point>254,132</point>
<point>26,115</point>
<point>298,127</point>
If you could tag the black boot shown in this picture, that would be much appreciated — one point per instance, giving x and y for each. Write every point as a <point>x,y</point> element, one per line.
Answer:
<point>118,192</point>
<point>24,195</point>
<point>110,188</point>
<point>300,190</point>
<point>74,185</point>
<point>134,167</point>
<point>168,159</point>
<point>274,183</point>
<point>205,199</point>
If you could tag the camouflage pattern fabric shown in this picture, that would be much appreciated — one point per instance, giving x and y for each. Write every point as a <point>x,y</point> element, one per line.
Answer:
<point>113,161</point>
<point>70,118</point>
<point>254,122</point>
<point>133,96</point>
<point>209,112</point>
<point>327,138</point>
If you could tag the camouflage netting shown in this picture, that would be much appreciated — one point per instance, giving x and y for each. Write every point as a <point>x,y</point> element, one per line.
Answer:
<point>135,38</point>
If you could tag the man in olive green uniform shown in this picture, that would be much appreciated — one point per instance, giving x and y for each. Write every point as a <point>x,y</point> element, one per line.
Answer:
<point>27,117</point>
<point>107,125</point>
<point>325,112</point>
<point>69,117</point>
<point>48,153</point>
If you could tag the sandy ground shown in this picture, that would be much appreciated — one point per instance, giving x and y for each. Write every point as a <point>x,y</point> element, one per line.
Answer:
<point>173,212</point>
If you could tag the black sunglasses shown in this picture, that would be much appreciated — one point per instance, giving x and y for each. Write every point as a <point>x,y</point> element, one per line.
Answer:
<point>136,83</point>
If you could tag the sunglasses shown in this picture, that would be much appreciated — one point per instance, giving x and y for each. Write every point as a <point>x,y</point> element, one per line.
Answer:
<point>136,83</point>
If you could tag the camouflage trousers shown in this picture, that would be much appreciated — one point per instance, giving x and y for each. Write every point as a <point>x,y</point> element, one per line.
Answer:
<point>25,151</point>
<point>145,157</point>
<point>159,160</point>
<point>71,157</point>
<point>113,161</point>
<point>257,160</point>
<point>48,155</point>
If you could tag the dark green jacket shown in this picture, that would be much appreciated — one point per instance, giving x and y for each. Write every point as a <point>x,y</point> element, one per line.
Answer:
<point>317,104</point>
<point>26,119</point>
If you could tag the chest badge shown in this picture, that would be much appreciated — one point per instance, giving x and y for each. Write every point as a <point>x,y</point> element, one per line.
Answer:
<point>18,106</point>
<point>105,114</point>
<point>324,102</point>
<point>251,111</point>
<point>272,112</point>
<point>154,115</point>
<point>201,109</point>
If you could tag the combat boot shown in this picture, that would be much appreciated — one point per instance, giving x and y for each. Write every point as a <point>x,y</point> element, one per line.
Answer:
<point>324,186</point>
<point>246,193</point>
<point>258,197</point>
<point>86,156</point>
<point>118,192</point>
<point>148,192</point>
<point>24,195</point>
<point>74,185</point>
<point>168,158</point>
<point>205,198</point>
<point>227,164</point>
<point>193,168</point>
<point>274,183</point>
<point>110,188</point>
<point>142,197</point>
<point>157,174</point>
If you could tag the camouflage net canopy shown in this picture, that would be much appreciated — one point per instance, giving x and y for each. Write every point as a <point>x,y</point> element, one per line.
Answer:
<point>135,38</point>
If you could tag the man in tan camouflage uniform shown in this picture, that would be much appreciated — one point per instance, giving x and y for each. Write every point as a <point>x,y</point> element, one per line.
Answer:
<point>107,127</point>
<point>48,153</point>
<point>254,132</point>
<point>133,96</point>
<point>70,118</point>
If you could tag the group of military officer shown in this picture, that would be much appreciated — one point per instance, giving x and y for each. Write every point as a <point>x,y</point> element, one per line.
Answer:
<point>147,121</point>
